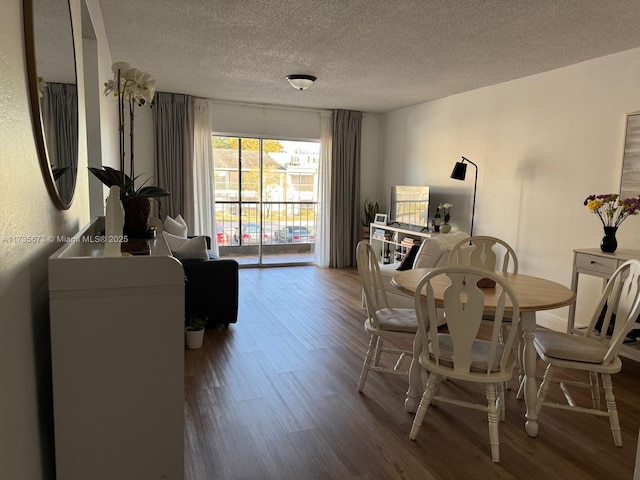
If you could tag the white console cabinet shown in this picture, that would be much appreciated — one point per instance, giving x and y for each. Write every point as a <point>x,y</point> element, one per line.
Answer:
<point>117,351</point>
<point>389,238</point>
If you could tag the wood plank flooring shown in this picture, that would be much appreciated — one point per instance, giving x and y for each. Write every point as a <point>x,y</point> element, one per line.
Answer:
<point>274,397</point>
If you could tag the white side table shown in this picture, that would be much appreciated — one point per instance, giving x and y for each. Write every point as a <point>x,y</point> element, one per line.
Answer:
<point>595,262</point>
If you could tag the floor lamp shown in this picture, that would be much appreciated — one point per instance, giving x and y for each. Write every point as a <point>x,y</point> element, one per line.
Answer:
<point>460,173</point>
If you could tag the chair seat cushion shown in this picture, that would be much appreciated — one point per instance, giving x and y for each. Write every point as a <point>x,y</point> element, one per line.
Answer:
<point>397,319</point>
<point>479,354</point>
<point>565,346</point>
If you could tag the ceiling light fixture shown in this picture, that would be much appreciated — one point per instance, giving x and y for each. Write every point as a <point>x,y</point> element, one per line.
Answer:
<point>301,82</point>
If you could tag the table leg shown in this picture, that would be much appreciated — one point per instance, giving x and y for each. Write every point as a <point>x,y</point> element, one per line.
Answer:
<point>414,392</point>
<point>529,364</point>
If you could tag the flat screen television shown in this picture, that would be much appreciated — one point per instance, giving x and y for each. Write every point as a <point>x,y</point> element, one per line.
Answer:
<point>409,205</point>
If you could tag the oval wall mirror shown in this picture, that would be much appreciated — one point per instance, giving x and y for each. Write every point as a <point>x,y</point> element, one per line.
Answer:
<point>53,94</point>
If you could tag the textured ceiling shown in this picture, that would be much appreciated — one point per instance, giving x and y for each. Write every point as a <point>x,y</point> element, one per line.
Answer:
<point>368,55</point>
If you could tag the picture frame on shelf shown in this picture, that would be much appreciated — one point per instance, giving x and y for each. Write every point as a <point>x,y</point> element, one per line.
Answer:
<point>380,218</point>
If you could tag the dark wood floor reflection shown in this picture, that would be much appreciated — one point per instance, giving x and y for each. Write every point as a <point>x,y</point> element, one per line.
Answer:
<point>274,397</point>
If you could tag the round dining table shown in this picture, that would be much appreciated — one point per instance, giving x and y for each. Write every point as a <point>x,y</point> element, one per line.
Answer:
<point>534,294</point>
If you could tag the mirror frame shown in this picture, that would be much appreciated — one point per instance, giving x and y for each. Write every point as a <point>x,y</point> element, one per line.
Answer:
<point>36,111</point>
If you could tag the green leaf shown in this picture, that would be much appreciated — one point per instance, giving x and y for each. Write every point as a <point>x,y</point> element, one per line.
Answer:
<point>107,176</point>
<point>110,177</point>
<point>152,192</point>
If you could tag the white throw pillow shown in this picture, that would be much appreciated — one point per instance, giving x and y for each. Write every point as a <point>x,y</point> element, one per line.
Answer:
<point>175,226</point>
<point>434,252</point>
<point>187,248</point>
<point>428,254</point>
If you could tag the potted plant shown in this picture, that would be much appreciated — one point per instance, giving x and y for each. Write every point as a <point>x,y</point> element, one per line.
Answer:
<point>194,331</point>
<point>370,211</point>
<point>133,87</point>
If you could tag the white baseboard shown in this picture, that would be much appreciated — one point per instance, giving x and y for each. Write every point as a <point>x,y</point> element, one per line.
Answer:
<point>552,322</point>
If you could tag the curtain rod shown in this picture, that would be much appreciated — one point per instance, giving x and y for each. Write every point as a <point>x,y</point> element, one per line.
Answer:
<point>266,105</point>
<point>279,107</point>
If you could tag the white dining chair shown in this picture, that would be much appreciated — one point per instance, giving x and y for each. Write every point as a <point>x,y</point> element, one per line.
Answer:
<point>595,352</point>
<point>466,352</point>
<point>382,321</point>
<point>489,253</point>
<point>486,252</point>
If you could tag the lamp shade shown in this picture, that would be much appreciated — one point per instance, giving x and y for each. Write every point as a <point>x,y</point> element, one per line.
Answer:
<point>459,171</point>
<point>301,82</point>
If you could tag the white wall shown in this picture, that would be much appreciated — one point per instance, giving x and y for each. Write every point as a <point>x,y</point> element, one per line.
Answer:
<point>26,430</point>
<point>102,111</point>
<point>542,144</point>
<point>292,124</point>
<point>370,187</point>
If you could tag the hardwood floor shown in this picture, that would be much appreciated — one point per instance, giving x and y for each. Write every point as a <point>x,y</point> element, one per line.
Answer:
<point>275,397</point>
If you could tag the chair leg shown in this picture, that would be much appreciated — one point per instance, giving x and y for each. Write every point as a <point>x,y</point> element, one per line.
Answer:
<point>427,396</point>
<point>544,387</point>
<point>520,392</point>
<point>367,362</point>
<point>494,438</point>
<point>501,388</point>
<point>378,352</point>
<point>612,409</point>
<point>595,389</point>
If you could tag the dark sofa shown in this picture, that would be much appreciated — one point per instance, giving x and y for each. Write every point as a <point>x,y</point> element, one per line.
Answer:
<point>211,289</point>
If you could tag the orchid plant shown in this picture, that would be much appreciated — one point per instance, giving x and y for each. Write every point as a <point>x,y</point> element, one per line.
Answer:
<point>445,208</point>
<point>610,209</point>
<point>133,87</point>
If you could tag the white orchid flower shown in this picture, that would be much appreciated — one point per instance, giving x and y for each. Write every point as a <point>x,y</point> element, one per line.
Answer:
<point>42,85</point>
<point>447,205</point>
<point>132,74</point>
<point>136,85</point>
<point>128,83</point>
<point>122,66</point>
<point>144,86</point>
<point>110,86</point>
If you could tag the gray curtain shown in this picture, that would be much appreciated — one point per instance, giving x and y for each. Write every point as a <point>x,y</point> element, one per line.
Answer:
<point>60,122</point>
<point>345,188</point>
<point>173,121</point>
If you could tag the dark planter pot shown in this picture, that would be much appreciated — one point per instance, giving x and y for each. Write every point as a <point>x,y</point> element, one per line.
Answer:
<point>136,216</point>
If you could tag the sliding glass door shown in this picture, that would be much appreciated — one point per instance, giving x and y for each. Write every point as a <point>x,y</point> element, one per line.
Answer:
<point>266,199</point>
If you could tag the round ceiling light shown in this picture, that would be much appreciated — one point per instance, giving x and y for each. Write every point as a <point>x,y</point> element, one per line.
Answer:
<point>301,82</point>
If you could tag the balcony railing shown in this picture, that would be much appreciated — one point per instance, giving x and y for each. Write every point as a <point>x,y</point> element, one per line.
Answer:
<point>243,227</point>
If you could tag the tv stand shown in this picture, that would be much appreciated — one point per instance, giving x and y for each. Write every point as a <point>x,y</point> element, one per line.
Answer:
<point>387,238</point>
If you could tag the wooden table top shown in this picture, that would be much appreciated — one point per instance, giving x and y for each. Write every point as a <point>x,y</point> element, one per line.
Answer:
<point>533,293</point>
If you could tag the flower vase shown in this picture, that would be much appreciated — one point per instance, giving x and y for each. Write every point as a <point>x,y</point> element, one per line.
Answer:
<point>445,228</point>
<point>609,242</point>
<point>136,216</point>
